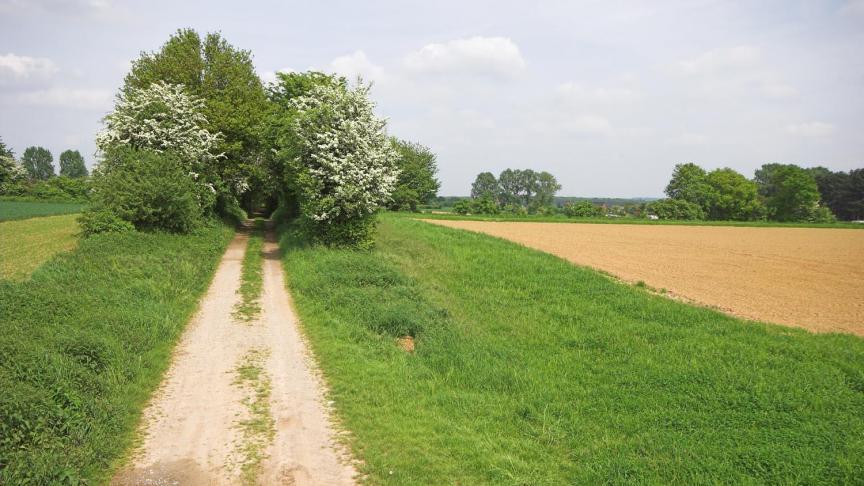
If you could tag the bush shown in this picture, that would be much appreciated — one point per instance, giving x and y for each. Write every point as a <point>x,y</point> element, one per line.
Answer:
<point>821,214</point>
<point>150,190</point>
<point>94,221</point>
<point>582,209</point>
<point>515,210</point>
<point>676,209</point>
<point>462,206</point>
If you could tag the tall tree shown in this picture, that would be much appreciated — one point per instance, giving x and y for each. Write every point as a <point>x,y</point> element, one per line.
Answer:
<point>509,187</point>
<point>38,163</point>
<point>235,101</point>
<point>6,151</point>
<point>689,183</point>
<point>842,192</point>
<point>733,197</point>
<point>485,186</point>
<point>417,183</point>
<point>545,188</point>
<point>790,192</point>
<point>72,164</point>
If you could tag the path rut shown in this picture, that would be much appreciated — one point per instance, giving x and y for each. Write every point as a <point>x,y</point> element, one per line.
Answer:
<point>191,430</point>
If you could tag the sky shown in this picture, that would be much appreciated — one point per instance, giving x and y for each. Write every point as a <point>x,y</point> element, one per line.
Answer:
<point>606,95</point>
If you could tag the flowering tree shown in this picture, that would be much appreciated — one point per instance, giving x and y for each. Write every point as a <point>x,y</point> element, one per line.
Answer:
<point>11,173</point>
<point>161,117</point>
<point>341,165</point>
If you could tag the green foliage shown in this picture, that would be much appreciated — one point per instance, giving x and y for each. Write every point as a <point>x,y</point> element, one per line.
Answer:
<point>60,188</point>
<point>689,183</point>
<point>530,370</point>
<point>842,192</point>
<point>38,163</point>
<point>12,175</point>
<point>85,342</point>
<point>94,221</point>
<point>235,100</point>
<point>417,183</point>
<point>676,209</point>
<point>72,164</point>
<point>482,205</point>
<point>485,185</point>
<point>791,192</point>
<point>733,197</point>
<point>6,151</point>
<point>150,190</point>
<point>582,209</point>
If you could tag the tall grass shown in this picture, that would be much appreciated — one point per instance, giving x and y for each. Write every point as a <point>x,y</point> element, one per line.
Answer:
<point>529,370</point>
<point>84,343</point>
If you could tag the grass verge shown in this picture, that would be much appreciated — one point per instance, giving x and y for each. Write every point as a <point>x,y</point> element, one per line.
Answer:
<point>84,343</point>
<point>26,244</point>
<point>529,370</point>
<point>249,306</point>
<point>10,210</point>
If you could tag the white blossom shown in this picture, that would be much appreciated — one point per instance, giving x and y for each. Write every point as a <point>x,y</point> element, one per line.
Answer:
<point>343,150</point>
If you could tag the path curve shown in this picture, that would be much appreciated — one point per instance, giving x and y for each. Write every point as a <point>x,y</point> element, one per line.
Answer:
<point>190,431</point>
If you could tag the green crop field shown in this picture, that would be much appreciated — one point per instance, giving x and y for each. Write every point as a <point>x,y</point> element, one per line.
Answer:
<point>30,209</point>
<point>83,344</point>
<point>26,244</point>
<point>529,370</point>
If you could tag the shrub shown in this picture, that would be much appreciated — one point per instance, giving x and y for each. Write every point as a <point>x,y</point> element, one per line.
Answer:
<point>150,190</point>
<point>582,209</point>
<point>339,164</point>
<point>462,206</point>
<point>676,209</point>
<point>100,220</point>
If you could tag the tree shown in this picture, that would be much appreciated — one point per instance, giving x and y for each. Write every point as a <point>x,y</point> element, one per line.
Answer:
<point>485,185</point>
<point>339,163</point>
<point>509,187</point>
<point>6,151</point>
<point>733,197</point>
<point>38,162</point>
<point>689,183</point>
<point>235,103</point>
<point>164,118</point>
<point>582,209</point>
<point>72,164</point>
<point>842,192</point>
<point>11,174</point>
<point>417,183</point>
<point>545,188</point>
<point>791,192</point>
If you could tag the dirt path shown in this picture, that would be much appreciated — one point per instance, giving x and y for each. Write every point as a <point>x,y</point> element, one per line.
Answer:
<point>806,277</point>
<point>242,402</point>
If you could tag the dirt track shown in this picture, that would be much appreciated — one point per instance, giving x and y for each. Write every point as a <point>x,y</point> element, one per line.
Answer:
<point>193,429</point>
<point>810,278</point>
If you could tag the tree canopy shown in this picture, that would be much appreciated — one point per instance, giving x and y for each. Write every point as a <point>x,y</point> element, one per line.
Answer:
<point>72,164</point>
<point>38,162</point>
<point>417,183</point>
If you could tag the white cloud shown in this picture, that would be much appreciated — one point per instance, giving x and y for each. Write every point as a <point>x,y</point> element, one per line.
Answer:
<point>579,94</point>
<point>270,76</point>
<point>719,60</point>
<point>23,70</point>
<point>85,99</point>
<point>357,64</point>
<point>810,129</point>
<point>56,5</point>
<point>778,90</point>
<point>853,7</point>
<point>688,139</point>
<point>495,56</point>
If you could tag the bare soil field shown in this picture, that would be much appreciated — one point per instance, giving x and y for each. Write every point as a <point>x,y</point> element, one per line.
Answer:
<point>804,277</point>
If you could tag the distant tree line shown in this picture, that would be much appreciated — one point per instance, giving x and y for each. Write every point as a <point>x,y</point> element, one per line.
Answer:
<point>34,176</point>
<point>514,191</point>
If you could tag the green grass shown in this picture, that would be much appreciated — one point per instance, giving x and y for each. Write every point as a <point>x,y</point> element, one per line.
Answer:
<point>26,244</point>
<point>257,428</point>
<point>84,343</point>
<point>249,307</point>
<point>10,210</point>
<point>529,370</point>
<point>564,219</point>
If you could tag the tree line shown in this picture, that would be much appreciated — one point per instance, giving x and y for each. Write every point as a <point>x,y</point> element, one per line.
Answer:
<point>34,176</point>
<point>514,191</point>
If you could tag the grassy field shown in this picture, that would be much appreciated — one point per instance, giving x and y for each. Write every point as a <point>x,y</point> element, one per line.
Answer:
<point>564,219</point>
<point>84,343</point>
<point>10,210</point>
<point>26,244</point>
<point>529,370</point>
